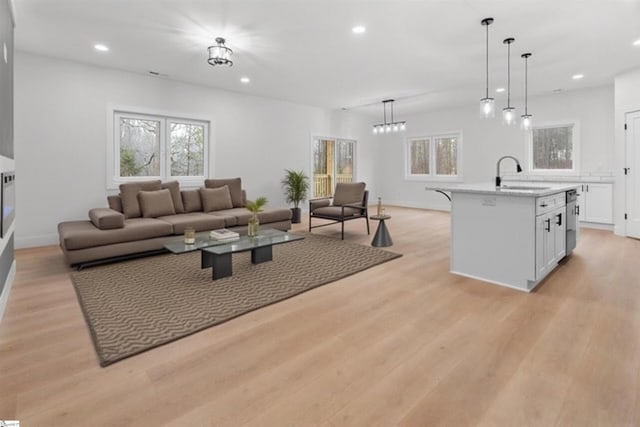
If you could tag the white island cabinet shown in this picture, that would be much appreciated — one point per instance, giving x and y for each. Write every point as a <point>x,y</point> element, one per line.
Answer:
<point>509,236</point>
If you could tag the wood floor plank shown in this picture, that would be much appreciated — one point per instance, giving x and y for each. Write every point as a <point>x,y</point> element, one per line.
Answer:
<point>404,343</point>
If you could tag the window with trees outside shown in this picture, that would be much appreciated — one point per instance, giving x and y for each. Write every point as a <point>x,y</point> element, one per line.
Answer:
<point>159,147</point>
<point>333,163</point>
<point>553,148</point>
<point>434,157</point>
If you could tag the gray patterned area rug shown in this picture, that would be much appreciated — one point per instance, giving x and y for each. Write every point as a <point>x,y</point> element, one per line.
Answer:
<point>134,306</point>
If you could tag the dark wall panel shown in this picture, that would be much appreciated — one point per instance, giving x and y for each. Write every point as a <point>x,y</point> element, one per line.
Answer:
<point>6,259</point>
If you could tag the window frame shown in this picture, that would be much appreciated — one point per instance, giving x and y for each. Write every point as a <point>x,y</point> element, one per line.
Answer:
<point>432,175</point>
<point>114,113</point>
<point>576,142</point>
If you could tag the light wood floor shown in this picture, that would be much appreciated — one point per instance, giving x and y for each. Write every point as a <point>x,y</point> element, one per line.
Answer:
<point>404,343</point>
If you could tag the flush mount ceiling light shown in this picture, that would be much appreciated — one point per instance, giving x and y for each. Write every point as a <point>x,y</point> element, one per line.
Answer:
<point>220,54</point>
<point>636,43</point>
<point>101,47</point>
<point>245,80</point>
<point>500,90</point>
<point>577,76</point>
<point>509,113</point>
<point>526,118</point>
<point>392,126</point>
<point>486,103</point>
<point>359,29</point>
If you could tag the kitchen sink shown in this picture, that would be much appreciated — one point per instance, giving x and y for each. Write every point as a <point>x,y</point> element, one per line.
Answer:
<point>522,187</point>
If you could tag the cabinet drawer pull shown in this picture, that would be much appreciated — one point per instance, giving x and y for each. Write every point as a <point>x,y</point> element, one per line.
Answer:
<point>559,220</point>
<point>548,221</point>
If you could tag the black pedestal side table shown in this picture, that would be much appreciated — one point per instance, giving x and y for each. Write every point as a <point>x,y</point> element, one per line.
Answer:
<point>382,237</point>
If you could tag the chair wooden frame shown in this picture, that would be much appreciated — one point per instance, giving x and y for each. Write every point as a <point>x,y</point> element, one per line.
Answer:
<point>342,218</point>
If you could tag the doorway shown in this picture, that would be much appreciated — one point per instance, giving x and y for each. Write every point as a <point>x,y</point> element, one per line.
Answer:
<point>632,173</point>
<point>333,162</point>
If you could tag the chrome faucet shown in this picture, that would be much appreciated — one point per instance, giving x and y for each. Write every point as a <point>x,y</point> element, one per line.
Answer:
<point>498,179</point>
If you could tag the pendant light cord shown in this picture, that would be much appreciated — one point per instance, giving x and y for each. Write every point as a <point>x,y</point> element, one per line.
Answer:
<point>526,79</point>
<point>509,75</point>
<point>487,61</point>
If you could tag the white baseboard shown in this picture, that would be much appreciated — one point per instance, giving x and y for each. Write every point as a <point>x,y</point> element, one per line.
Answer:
<point>438,207</point>
<point>7,288</point>
<point>35,241</point>
<point>596,225</point>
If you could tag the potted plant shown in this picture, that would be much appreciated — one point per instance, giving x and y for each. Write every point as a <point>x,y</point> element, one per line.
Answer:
<point>295,185</point>
<point>254,207</point>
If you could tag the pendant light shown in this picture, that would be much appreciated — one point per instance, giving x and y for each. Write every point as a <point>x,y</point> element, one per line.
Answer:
<point>486,104</point>
<point>220,54</point>
<point>391,126</point>
<point>526,119</point>
<point>509,113</point>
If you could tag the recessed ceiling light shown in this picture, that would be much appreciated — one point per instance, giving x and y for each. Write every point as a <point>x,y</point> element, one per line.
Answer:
<point>101,47</point>
<point>636,43</point>
<point>500,90</point>
<point>358,29</point>
<point>245,80</point>
<point>577,76</point>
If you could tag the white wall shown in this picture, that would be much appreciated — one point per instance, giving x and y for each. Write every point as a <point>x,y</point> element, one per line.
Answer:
<point>485,141</point>
<point>61,128</point>
<point>627,99</point>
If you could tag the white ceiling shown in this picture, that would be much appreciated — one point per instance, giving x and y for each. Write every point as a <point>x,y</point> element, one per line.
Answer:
<point>426,54</point>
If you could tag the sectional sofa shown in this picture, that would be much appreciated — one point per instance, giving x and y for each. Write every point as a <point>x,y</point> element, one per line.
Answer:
<point>146,214</point>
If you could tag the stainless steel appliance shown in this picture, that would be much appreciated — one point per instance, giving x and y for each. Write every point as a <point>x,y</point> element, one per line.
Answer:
<point>573,210</point>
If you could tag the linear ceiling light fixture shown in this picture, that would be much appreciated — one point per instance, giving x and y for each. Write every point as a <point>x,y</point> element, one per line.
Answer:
<point>526,118</point>
<point>220,54</point>
<point>509,113</point>
<point>486,103</point>
<point>392,126</point>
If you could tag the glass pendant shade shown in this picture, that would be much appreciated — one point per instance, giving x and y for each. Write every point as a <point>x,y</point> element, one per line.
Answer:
<point>509,116</point>
<point>385,126</point>
<point>220,54</point>
<point>487,108</point>
<point>526,121</point>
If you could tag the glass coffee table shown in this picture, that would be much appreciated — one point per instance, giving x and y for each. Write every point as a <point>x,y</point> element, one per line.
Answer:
<point>217,254</point>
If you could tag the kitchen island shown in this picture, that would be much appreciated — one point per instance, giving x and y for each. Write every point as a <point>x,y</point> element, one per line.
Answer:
<point>512,236</point>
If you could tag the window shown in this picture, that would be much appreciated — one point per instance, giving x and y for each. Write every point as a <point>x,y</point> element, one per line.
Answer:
<point>333,162</point>
<point>434,157</point>
<point>146,146</point>
<point>553,148</point>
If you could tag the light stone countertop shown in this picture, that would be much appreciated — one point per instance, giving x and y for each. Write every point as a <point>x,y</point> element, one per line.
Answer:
<point>523,190</point>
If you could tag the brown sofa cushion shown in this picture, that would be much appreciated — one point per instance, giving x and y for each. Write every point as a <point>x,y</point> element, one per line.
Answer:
<point>83,234</point>
<point>129,196</point>
<point>335,211</point>
<point>115,203</point>
<point>198,220</point>
<point>234,216</point>
<point>274,215</point>
<point>351,192</point>
<point>191,200</point>
<point>215,199</point>
<point>156,203</point>
<point>174,189</point>
<point>235,189</point>
<point>106,219</point>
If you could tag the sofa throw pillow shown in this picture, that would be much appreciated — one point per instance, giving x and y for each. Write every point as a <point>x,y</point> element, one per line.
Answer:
<point>156,203</point>
<point>235,188</point>
<point>216,199</point>
<point>191,200</point>
<point>346,193</point>
<point>106,219</point>
<point>129,196</point>
<point>174,189</point>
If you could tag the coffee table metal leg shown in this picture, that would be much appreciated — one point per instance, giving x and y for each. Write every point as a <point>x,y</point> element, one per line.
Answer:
<point>222,266</point>
<point>206,259</point>
<point>263,254</point>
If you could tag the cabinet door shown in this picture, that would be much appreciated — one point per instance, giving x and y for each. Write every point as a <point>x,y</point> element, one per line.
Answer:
<point>599,203</point>
<point>582,203</point>
<point>543,243</point>
<point>559,234</point>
